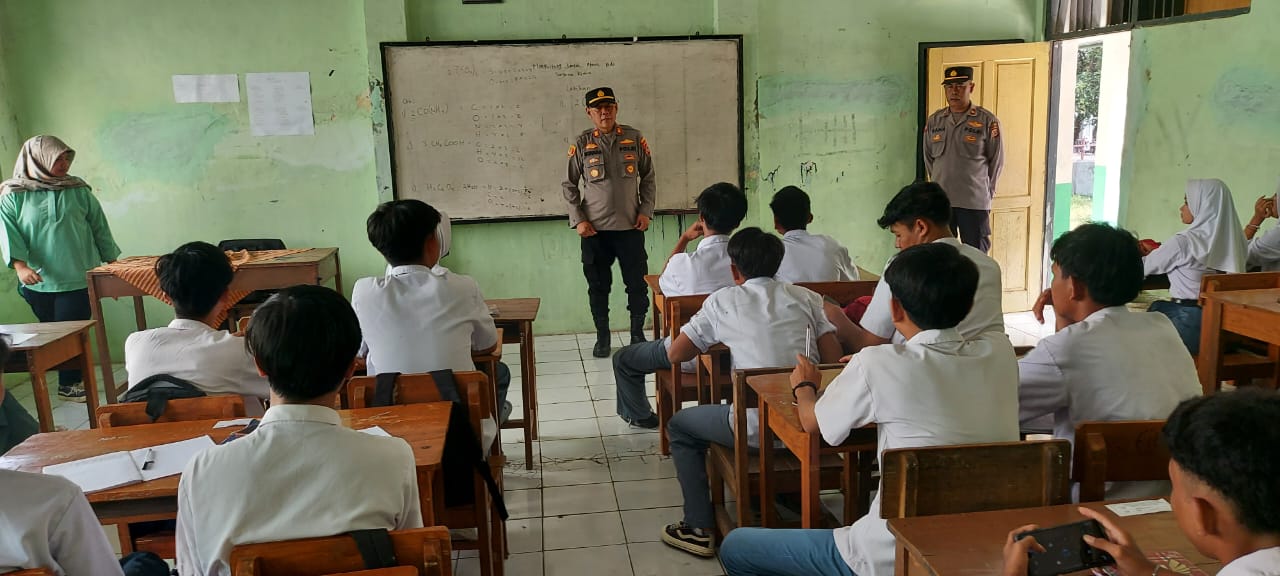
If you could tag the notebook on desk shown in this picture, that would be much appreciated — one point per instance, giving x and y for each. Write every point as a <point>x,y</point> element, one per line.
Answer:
<point>124,468</point>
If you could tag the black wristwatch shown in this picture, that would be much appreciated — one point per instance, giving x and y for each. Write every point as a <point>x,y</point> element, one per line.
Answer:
<point>805,384</point>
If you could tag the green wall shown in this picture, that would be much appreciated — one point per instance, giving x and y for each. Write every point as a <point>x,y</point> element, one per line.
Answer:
<point>12,308</point>
<point>828,82</point>
<point>1202,104</point>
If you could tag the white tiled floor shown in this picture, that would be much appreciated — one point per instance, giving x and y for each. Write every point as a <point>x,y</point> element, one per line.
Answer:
<point>599,493</point>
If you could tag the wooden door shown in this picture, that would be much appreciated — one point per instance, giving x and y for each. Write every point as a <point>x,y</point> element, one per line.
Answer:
<point>1013,82</point>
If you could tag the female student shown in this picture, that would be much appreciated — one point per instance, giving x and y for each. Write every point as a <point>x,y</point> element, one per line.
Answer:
<point>1264,250</point>
<point>1212,243</point>
<point>54,231</point>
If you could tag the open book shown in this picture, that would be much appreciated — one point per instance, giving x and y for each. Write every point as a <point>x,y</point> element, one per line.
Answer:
<point>124,468</point>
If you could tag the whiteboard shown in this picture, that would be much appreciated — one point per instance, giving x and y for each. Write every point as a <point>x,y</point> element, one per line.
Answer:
<point>482,131</point>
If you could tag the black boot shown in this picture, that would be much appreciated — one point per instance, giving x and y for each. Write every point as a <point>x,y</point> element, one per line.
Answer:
<point>637,329</point>
<point>602,349</point>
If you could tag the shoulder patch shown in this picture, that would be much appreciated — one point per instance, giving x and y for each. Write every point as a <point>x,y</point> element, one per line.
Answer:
<point>573,149</point>
<point>995,129</point>
<point>645,144</point>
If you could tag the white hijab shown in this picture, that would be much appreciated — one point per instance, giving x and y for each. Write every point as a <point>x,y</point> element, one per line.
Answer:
<point>1214,236</point>
<point>32,170</point>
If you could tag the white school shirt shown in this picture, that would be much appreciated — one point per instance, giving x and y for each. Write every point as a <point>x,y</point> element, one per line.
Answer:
<point>814,258</point>
<point>1264,562</point>
<point>1174,258</point>
<point>1113,365</point>
<point>987,314</point>
<point>936,389</point>
<point>216,361</point>
<point>764,323</point>
<point>299,475</point>
<point>1264,251</point>
<point>418,319</point>
<point>46,522</point>
<point>702,271</point>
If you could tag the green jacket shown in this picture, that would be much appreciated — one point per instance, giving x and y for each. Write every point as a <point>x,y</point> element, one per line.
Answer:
<point>60,234</point>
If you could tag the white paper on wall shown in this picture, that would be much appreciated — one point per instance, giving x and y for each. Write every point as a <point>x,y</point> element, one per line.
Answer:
<point>280,103</point>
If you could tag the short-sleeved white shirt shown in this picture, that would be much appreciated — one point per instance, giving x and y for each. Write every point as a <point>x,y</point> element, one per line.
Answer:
<point>814,258</point>
<point>702,271</point>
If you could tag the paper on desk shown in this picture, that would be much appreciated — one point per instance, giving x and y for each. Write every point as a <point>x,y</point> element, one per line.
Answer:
<point>99,472</point>
<point>280,104</point>
<point>17,338</point>
<point>190,88</point>
<point>236,422</point>
<point>171,458</point>
<point>1140,507</point>
<point>376,431</point>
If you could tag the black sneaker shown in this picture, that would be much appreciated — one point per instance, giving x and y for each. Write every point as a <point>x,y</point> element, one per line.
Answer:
<point>72,393</point>
<point>649,422</point>
<point>601,349</point>
<point>692,540</point>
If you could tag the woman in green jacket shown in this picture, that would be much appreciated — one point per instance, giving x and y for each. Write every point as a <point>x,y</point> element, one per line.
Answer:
<point>54,231</point>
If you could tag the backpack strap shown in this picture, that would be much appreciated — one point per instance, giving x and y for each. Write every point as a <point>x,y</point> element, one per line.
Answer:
<point>157,390</point>
<point>375,548</point>
<point>446,385</point>
<point>384,392</point>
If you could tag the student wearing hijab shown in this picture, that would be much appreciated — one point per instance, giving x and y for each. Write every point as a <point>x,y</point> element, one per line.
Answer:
<point>1211,244</point>
<point>54,231</point>
<point>1264,250</point>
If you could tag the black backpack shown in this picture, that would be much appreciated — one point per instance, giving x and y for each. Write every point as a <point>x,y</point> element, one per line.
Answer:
<point>159,389</point>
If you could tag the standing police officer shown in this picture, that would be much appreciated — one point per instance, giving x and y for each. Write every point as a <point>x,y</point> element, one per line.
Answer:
<point>611,191</point>
<point>964,154</point>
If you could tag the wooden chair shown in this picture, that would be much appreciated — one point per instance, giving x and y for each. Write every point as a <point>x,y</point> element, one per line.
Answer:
<point>842,292</point>
<point>488,364</point>
<point>33,572</point>
<point>739,466</point>
<point>1129,451</point>
<point>674,386</point>
<point>426,550</point>
<point>974,478</point>
<point>658,306</point>
<point>1244,359</point>
<point>177,410</point>
<point>475,391</point>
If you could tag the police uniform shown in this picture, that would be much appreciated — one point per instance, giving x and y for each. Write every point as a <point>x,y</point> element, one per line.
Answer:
<point>963,152</point>
<point>610,182</point>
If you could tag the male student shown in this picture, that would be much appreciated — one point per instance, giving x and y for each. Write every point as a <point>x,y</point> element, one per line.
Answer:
<point>937,388</point>
<point>421,317</point>
<point>918,215</point>
<point>195,276</point>
<point>810,257</point>
<point>721,208</point>
<point>1104,362</point>
<point>301,474</point>
<point>765,322</point>
<point>1225,494</point>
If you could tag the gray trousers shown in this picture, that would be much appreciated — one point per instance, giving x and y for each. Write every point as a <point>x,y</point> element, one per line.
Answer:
<point>691,432</point>
<point>630,365</point>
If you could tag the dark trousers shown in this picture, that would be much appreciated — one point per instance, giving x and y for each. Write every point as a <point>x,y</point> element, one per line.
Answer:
<point>60,307</point>
<point>598,254</point>
<point>973,227</point>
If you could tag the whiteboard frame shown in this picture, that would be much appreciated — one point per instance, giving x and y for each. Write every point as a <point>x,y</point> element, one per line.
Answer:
<point>388,101</point>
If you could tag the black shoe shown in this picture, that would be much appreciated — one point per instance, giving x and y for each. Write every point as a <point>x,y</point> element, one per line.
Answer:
<point>637,329</point>
<point>649,422</point>
<point>601,349</point>
<point>691,540</point>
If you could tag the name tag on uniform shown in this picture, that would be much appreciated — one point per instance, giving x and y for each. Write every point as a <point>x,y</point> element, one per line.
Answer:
<point>975,124</point>
<point>970,138</point>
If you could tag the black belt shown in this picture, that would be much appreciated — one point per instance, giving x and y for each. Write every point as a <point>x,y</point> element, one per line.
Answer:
<point>1186,301</point>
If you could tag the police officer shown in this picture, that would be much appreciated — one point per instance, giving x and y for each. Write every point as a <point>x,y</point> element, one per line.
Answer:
<point>964,154</point>
<point>611,192</point>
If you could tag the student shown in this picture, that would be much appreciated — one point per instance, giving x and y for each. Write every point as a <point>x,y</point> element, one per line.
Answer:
<point>937,388</point>
<point>16,424</point>
<point>1264,250</point>
<point>422,317</point>
<point>1211,244</point>
<point>919,215</point>
<point>721,207</point>
<point>810,257</point>
<point>1225,494</point>
<point>765,323</point>
<point>196,277</point>
<point>1104,362</point>
<point>301,474</point>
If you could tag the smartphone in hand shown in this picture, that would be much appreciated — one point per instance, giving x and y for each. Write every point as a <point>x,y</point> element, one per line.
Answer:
<point>1065,550</point>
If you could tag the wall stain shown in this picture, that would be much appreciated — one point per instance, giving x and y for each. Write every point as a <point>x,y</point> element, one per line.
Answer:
<point>1248,97</point>
<point>173,145</point>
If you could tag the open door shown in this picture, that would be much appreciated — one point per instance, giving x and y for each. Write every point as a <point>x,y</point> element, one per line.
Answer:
<point>1013,82</point>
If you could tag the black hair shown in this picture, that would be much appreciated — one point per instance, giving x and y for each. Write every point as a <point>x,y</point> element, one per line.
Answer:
<point>1229,440</point>
<point>918,200</point>
<point>195,276</point>
<point>722,206</point>
<point>756,253</point>
<point>1105,259</point>
<point>934,283</point>
<point>304,338</point>
<point>791,208</point>
<point>399,230</point>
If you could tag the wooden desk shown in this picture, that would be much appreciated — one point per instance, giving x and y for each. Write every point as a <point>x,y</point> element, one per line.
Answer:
<point>778,418</point>
<point>973,544</point>
<point>57,345</point>
<point>515,317</point>
<point>314,266</point>
<point>1249,313</point>
<point>423,426</point>
<point>659,304</point>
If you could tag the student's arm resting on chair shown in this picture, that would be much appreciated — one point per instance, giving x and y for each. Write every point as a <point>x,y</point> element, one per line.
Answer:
<point>682,349</point>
